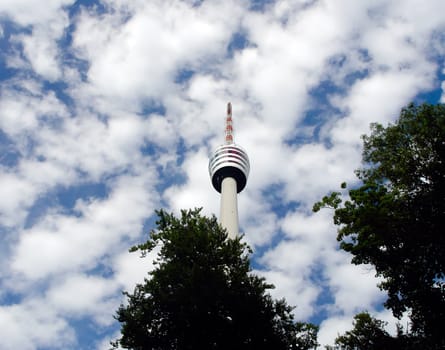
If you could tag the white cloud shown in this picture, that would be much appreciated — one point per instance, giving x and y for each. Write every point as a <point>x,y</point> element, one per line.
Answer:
<point>24,108</point>
<point>161,131</point>
<point>47,25</point>
<point>365,61</point>
<point>80,295</point>
<point>353,287</point>
<point>68,243</point>
<point>312,170</point>
<point>131,269</point>
<point>383,87</point>
<point>194,194</point>
<point>258,222</point>
<point>332,327</point>
<point>146,52</point>
<point>30,12</point>
<point>298,292</point>
<point>31,325</point>
<point>41,50</point>
<point>16,195</point>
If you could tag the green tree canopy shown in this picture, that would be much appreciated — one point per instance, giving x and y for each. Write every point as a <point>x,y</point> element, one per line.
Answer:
<point>203,295</point>
<point>396,219</point>
<point>368,334</point>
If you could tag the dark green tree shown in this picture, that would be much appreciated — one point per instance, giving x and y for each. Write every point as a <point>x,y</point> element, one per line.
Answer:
<point>395,220</point>
<point>368,334</point>
<point>203,295</point>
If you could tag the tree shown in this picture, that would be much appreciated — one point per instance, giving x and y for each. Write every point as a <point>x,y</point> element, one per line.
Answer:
<point>203,295</point>
<point>368,334</point>
<point>395,220</point>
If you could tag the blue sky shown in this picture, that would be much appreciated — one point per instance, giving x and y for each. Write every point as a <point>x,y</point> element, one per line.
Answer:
<point>110,110</point>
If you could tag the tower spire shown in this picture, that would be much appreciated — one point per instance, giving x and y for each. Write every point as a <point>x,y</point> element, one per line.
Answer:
<point>229,125</point>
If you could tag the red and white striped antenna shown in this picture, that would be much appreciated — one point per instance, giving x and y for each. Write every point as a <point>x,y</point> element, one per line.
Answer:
<point>229,125</point>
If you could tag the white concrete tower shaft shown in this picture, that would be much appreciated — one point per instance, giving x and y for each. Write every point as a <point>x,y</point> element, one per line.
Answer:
<point>229,168</point>
<point>229,207</point>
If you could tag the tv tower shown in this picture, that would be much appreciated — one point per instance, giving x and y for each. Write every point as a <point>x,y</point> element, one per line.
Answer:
<point>229,168</point>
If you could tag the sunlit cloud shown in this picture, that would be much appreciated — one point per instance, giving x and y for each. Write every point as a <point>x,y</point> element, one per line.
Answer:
<point>110,110</point>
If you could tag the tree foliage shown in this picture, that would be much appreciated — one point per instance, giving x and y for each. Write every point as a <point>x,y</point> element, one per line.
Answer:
<point>368,334</point>
<point>396,219</point>
<point>203,295</point>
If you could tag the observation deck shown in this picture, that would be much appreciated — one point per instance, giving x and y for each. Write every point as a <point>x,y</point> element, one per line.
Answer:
<point>229,160</point>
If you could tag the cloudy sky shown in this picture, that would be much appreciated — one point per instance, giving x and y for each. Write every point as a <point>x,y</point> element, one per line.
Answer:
<point>109,109</point>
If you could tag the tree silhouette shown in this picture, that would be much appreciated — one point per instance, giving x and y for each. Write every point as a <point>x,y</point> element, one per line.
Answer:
<point>396,219</point>
<point>203,295</point>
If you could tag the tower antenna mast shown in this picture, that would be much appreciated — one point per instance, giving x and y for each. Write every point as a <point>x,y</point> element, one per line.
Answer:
<point>229,125</point>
